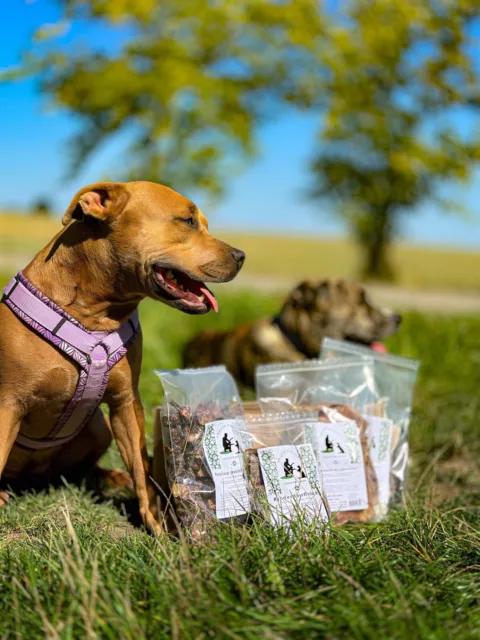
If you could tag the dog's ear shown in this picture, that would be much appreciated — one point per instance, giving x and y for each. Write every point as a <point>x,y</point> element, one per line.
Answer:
<point>322,289</point>
<point>297,295</point>
<point>103,200</point>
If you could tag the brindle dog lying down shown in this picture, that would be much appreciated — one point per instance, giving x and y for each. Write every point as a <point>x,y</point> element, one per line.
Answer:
<point>313,310</point>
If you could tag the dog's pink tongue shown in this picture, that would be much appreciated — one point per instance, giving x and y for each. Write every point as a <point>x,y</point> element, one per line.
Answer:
<point>378,346</point>
<point>210,297</point>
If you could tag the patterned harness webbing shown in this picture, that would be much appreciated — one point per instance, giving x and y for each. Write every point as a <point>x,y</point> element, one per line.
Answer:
<point>95,352</point>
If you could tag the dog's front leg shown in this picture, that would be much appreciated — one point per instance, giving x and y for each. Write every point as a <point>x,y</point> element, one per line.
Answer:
<point>128,428</point>
<point>151,490</point>
<point>10,421</point>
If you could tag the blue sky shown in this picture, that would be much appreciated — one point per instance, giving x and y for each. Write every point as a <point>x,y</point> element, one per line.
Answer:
<point>268,196</point>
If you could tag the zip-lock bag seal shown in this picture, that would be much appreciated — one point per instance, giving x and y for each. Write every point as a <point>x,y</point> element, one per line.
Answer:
<point>282,387</point>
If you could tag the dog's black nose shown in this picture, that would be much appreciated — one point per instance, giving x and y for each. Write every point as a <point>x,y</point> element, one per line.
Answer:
<point>398,319</point>
<point>238,256</point>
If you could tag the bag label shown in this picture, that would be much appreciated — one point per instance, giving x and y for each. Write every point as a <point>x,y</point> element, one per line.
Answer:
<point>224,454</point>
<point>339,451</point>
<point>380,432</point>
<point>292,482</point>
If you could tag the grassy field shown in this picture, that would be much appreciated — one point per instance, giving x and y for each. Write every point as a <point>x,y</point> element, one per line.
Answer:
<point>289,257</point>
<point>72,566</point>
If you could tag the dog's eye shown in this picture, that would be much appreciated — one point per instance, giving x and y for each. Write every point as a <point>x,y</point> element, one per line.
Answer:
<point>190,221</point>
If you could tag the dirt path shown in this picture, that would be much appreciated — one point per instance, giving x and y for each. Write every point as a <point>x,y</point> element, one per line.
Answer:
<point>434,300</point>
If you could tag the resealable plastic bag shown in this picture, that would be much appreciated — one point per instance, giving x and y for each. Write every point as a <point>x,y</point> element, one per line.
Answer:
<point>388,417</point>
<point>337,435</point>
<point>340,391</point>
<point>283,472</point>
<point>203,457</point>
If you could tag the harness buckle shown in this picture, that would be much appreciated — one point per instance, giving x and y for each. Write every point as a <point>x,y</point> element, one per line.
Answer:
<point>98,357</point>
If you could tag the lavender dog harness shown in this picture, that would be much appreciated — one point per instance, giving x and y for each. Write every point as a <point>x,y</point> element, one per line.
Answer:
<point>94,352</point>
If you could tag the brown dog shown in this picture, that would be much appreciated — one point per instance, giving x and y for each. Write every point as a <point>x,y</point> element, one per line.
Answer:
<point>313,310</point>
<point>121,243</point>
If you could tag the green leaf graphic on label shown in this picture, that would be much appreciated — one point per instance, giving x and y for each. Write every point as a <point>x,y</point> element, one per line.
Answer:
<point>309,464</point>
<point>350,432</point>
<point>310,431</point>
<point>269,467</point>
<point>383,444</point>
<point>210,446</point>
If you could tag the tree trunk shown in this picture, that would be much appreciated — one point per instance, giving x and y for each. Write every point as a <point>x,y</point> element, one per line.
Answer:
<point>376,246</point>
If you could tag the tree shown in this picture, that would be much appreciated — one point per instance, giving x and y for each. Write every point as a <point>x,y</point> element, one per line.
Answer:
<point>41,207</point>
<point>397,73</point>
<point>190,81</point>
<point>189,85</point>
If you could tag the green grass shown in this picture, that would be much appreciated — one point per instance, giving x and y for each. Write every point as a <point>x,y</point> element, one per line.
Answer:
<point>278,257</point>
<point>72,566</point>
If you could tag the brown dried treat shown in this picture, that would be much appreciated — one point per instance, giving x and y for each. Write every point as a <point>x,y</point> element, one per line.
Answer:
<point>254,473</point>
<point>380,410</point>
<point>325,411</point>
<point>187,472</point>
<point>252,408</point>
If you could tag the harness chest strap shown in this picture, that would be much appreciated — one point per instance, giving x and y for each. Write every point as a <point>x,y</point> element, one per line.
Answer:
<point>95,353</point>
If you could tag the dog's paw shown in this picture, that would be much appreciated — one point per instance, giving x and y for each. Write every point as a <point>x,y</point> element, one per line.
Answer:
<point>115,478</point>
<point>151,523</point>
<point>4,498</point>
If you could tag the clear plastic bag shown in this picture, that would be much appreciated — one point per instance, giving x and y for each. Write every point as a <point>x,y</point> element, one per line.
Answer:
<point>284,476</point>
<point>388,417</point>
<point>337,435</point>
<point>340,391</point>
<point>203,457</point>
<point>282,387</point>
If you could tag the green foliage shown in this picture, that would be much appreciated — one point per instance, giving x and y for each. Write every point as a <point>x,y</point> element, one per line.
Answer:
<point>192,80</point>
<point>73,567</point>
<point>396,70</point>
<point>41,207</point>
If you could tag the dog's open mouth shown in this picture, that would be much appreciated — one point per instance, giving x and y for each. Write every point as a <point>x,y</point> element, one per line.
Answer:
<point>188,294</point>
